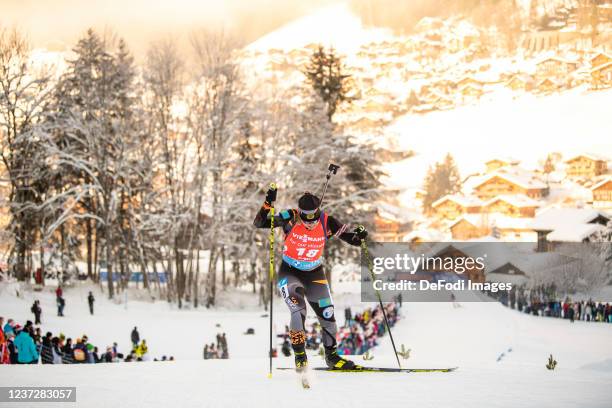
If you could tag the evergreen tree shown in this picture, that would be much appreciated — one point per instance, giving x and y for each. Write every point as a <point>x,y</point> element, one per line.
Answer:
<point>441,179</point>
<point>329,79</point>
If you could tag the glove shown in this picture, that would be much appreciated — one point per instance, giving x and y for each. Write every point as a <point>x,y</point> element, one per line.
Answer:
<point>361,232</point>
<point>271,194</point>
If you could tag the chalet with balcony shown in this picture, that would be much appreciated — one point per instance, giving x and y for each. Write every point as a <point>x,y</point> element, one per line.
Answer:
<point>586,165</point>
<point>511,181</point>
<point>453,206</point>
<point>512,205</point>
<point>602,194</point>
<point>555,67</point>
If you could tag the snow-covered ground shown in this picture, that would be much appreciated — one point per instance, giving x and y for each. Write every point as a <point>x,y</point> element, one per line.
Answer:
<point>471,337</point>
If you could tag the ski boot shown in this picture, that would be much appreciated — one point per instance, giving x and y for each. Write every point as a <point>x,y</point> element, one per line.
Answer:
<point>335,362</point>
<point>301,361</point>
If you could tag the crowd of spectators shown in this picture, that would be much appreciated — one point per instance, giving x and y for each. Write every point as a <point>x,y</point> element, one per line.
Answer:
<point>27,345</point>
<point>359,333</point>
<point>219,350</point>
<point>362,330</point>
<point>544,301</point>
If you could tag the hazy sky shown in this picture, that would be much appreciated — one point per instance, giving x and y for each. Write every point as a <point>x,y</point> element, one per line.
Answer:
<point>57,24</point>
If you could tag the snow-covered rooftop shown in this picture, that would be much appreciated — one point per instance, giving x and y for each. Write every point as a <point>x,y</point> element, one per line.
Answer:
<point>555,218</point>
<point>464,201</point>
<point>516,175</point>
<point>516,200</point>
<point>574,233</point>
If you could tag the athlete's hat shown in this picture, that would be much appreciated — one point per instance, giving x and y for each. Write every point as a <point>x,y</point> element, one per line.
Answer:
<point>308,206</point>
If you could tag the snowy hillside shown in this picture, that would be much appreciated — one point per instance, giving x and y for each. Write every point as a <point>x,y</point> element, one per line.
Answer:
<point>333,26</point>
<point>472,337</point>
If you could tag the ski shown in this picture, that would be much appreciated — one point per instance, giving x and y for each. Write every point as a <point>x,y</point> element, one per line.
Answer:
<point>305,383</point>
<point>381,370</point>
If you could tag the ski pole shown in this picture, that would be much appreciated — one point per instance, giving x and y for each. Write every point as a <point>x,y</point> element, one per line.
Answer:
<point>271,274</point>
<point>364,248</point>
<point>332,169</point>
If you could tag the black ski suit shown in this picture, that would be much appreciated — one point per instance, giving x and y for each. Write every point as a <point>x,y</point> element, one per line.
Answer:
<point>295,284</point>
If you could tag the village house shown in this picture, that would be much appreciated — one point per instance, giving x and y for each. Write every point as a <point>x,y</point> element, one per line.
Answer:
<point>566,225</point>
<point>452,206</point>
<point>586,165</point>
<point>511,181</point>
<point>471,91</point>
<point>499,226</point>
<point>499,162</point>
<point>602,194</point>
<point>601,76</point>
<point>390,224</point>
<point>555,67</point>
<point>520,83</point>
<point>600,58</point>
<point>512,205</point>
<point>548,85</point>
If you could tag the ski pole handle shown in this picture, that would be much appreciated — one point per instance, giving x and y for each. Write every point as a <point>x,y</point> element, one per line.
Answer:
<point>271,193</point>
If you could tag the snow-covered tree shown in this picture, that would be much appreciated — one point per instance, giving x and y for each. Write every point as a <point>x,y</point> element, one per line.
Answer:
<point>23,92</point>
<point>441,179</point>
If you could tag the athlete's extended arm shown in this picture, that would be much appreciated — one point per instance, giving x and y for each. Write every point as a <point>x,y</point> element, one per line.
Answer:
<point>340,230</point>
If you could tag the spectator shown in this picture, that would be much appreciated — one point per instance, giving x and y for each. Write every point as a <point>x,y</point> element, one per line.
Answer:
<point>67,352</point>
<point>135,337</point>
<point>46,351</point>
<point>142,349</point>
<point>8,327</point>
<point>80,351</point>
<point>26,350</point>
<point>61,303</point>
<point>94,354</point>
<point>57,351</point>
<point>10,344</point>
<point>4,351</point>
<point>109,356</point>
<point>37,310</point>
<point>91,300</point>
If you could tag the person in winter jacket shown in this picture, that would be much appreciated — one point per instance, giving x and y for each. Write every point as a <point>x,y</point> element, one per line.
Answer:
<point>68,356</point>
<point>142,349</point>
<point>37,310</point>
<point>61,304</point>
<point>26,349</point>
<point>91,300</point>
<point>56,350</point>
<point>12,349</point>
<point>80,352</point>
<point>46,351</point>
<point>4,352</point>
<point>135,337</point>
<point>8,327</point>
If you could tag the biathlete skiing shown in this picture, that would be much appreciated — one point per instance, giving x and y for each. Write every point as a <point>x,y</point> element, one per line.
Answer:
<point>301,276</point>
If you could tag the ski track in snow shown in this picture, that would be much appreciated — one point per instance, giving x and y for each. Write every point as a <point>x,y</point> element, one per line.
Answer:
<point>471,337</point>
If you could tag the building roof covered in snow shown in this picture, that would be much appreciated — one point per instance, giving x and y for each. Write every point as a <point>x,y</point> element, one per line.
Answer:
<point>516,200</point>
<point>463,201</point>
<point>574,233</point>
<point>516,175</point>
<point>561,218</point>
